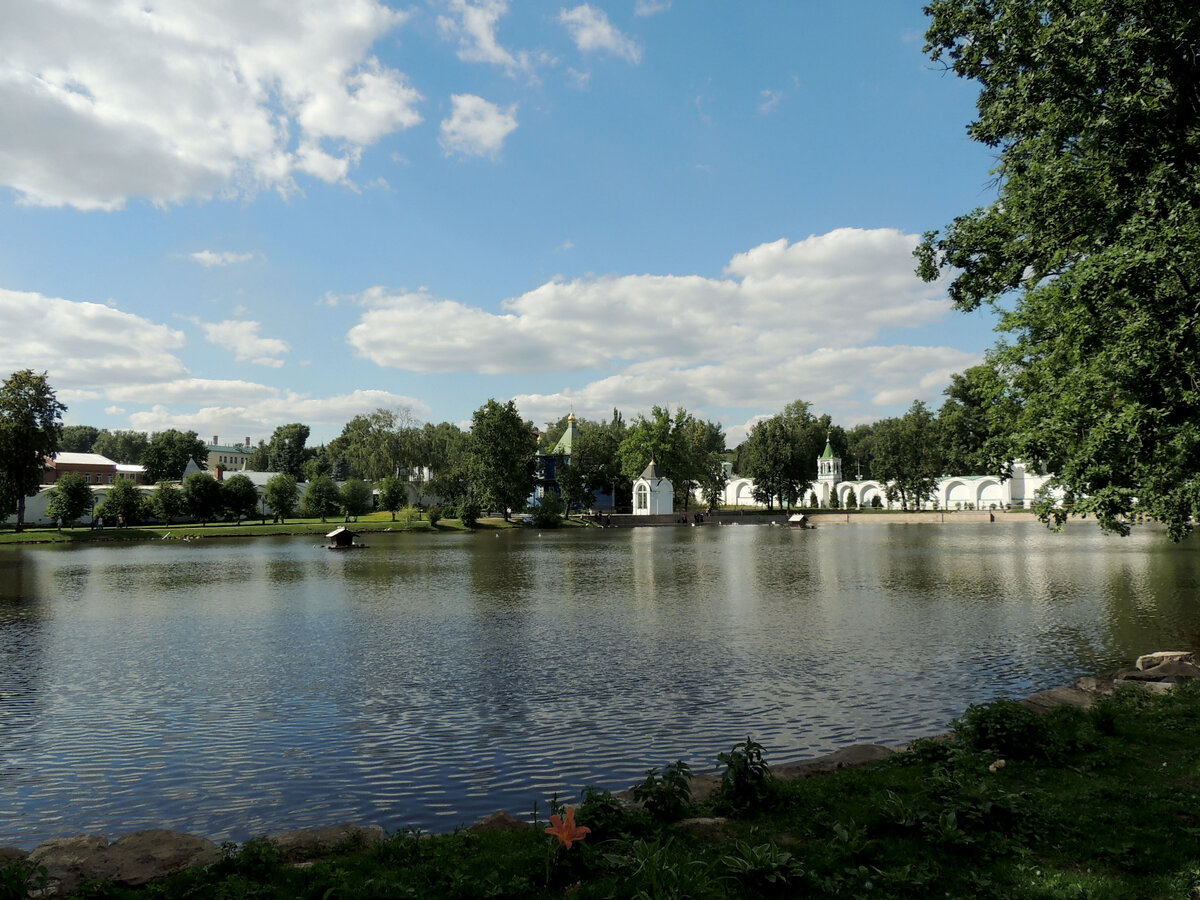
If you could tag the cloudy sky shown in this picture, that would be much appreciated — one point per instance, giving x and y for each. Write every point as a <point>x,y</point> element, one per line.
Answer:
<point>227,215</point>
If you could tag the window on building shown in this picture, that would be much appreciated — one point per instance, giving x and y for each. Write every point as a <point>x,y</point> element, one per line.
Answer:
<point>643,497</point>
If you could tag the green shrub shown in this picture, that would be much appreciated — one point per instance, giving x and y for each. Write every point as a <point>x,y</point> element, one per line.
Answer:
<point>469,512</point>
<point>762,870</point>
<point>667,797</point>
<point>434,513</point>
<point>746,780</point>
<point>603,813</point>
<point>1004,727</point>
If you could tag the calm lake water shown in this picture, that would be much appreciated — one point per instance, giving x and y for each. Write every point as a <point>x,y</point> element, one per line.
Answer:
<point>235,688</point>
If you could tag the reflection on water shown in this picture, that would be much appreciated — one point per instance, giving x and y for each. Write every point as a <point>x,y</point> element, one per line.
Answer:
<point>236,688</point>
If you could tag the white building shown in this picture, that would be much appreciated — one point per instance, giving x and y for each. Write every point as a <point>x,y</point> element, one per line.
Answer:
<point>952,492</point>
<point>653,493</point>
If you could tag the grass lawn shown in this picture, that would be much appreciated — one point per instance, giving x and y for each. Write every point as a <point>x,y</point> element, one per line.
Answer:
<point>374,522</point>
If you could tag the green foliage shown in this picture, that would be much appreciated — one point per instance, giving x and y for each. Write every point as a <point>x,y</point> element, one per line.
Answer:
<point>780,455</point>
<point>321,499</point>
<point>502,449</point>
<point>393,495</point>
<point>281,494</point>
<point>688,451</point>
<point>656,870</point>
<point>20,879</point>
<point>667,797</point>
<point>70,498</point>
<point>239,497</point>
<point>379,444</point>
<point>125,447</point>
<point>167,502</point>
<point>356,497</point>
<point>78,438</point>
<point>1006,728</point>
<point>30,430</point>
<point>907,455</point>
<point>202,497</point>
<point>1091,250</point>
<point>286,451</point>
<point>469,512</point>
<point>548,513</point>
<point>169,452</point>
<point>434,514</point>
<point>125,499</point>
<point>761,870</point>
<point>975,422</point>
<point>602,813</point>
<point>746,779</point>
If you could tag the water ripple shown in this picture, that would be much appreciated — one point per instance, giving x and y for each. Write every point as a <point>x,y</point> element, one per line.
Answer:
<point>238,688</point>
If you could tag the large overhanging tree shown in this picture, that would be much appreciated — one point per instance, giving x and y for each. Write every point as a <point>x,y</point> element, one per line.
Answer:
<point>1091,251</point>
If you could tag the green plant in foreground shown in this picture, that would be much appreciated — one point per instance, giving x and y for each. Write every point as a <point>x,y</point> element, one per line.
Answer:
<point>761,869</point>
<point>667,797</point>
<point>746,779</point>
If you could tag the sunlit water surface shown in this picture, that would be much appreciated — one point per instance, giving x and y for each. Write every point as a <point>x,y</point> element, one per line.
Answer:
<point>236,688</point>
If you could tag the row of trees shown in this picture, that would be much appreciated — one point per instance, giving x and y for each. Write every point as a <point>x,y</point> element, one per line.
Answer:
<point>493,466</point>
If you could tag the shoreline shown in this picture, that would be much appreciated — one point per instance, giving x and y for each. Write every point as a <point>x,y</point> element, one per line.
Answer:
<point>1081,694</point>
<point>39,535</point>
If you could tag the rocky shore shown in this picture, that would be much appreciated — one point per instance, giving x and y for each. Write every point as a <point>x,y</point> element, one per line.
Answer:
<point>144,856</point>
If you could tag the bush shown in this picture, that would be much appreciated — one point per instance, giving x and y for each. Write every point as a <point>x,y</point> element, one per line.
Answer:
<point>746,780</point>
<point>668,797</point>
<point>1005,727</point>
<point>549,512</point>
<point>469,512</point>
<point>435,514</point>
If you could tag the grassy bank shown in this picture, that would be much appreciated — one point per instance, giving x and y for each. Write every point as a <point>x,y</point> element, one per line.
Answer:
<point>1074,804</point>
<point>374,522</point>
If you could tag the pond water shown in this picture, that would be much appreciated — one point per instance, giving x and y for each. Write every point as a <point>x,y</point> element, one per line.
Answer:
<point>236,688</point>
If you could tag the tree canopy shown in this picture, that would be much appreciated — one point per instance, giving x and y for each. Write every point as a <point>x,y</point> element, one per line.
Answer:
<point>169,452</point>
<point>1091,250</point>
<point>908,455</point>
<point>121,446</point>
<point>30,429</point>
<point>70,498</point>
<point>281,494</point>
<point>502,449</point>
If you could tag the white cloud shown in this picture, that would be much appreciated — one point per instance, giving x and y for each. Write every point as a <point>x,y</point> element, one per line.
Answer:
<point>473,25</point>
<point>180,100</point>
<point>476,127</point>
<point>241,338</point>
<point>82,345</point>
<point>651,7</point>
<point>187,389</point>
<point>210,258</point>
<point>787,320</point>
<point>770,100</point>
<point>261,415</point>
<point>591,30</point>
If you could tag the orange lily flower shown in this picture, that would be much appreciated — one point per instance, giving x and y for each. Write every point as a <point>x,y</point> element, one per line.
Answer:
<point>566,830</point>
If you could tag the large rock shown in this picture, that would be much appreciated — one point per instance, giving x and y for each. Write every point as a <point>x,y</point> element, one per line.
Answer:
<point>132,860</point>
<point>1044,701</point>
<point>145,856</point>
<point>309,842</point>
<point>500,820</point>
<point>8,854</point>
<point>68,859</point>
<point>847,757</point>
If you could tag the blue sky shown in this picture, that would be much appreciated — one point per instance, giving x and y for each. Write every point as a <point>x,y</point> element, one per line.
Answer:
<point>228,215</point>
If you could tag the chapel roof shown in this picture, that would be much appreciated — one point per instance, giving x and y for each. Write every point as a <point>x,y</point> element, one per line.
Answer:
<point>652,471</point>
